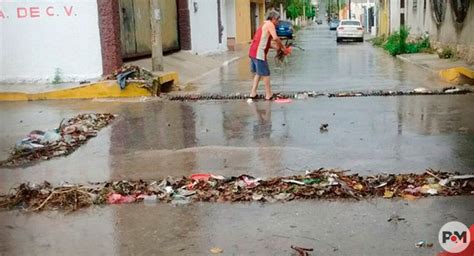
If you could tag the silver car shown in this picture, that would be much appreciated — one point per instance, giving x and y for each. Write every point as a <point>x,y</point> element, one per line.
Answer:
<point>350,29</point>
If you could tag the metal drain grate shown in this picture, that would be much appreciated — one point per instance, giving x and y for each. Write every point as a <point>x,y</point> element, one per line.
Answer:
<point>305,95</point>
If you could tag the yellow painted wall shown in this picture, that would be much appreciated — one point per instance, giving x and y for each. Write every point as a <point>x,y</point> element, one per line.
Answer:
<point>384,28</point>
<point>242,21</point>
<point>261,12</point>
<point>242,18</point>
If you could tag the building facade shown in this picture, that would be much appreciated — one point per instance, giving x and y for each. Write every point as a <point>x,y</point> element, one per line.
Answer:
<point>448,23</point>
<point>83,40</point>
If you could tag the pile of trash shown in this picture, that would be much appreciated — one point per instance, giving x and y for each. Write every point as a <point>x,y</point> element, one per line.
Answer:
<point>319,184</point>
<point>71,133</point>
<point>131,72</point>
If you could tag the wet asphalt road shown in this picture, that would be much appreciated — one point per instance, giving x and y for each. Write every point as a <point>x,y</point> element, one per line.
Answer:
<point>156,139</point>
<point>325,66</point>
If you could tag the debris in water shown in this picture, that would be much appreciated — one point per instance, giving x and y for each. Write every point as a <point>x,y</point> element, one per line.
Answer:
<point>61,141</point>
<point>216,250</point>
<point>302,251</point>
<point>318,184</point>
<point>423,244</point>
<point>323,127</point>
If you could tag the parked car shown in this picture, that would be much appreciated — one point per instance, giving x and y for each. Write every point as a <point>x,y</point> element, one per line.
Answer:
<point>285,29</point>
<point>350,29</point>
<point>333,24</point>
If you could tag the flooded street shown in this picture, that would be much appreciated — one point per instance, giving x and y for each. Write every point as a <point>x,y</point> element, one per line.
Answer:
<point>159,138</point>
<point>325,66</point>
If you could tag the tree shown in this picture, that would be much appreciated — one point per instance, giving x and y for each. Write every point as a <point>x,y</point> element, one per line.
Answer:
<point>294,9</point>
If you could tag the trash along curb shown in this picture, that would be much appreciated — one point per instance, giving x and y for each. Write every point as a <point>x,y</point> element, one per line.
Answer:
<point>100,89</point>
<point>205,187</point>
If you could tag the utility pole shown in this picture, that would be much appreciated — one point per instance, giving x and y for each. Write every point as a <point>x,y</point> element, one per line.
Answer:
<point>338,8</point>
<point>329,10</point>
<point>350,15</point>
<point>156,44</point>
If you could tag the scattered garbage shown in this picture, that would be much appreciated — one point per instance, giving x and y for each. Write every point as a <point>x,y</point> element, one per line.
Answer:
<point>421,90</point>
<point>216,250</point>
<point>40,145</point>
<point>200,176</point>
<point>323,127</point>
<point>455,90</point>
<point>395,218</point>
<point>302,96</point>
<point>115,198</point>
<point>302,251</point>
<point>423,244</point>
<point>283,100</point>
<point>321,183</point>
<point>149,200</point>
<point>131,72</point>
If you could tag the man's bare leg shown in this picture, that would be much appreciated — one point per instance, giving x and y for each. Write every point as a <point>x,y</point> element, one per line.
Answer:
<point>268,88</point>
<point>253,92</point>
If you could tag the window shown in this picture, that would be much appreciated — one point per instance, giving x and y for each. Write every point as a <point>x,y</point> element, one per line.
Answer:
<point>350,23</point>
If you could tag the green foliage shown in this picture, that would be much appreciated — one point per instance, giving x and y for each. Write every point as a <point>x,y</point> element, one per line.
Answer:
<point>333,8</point>
<point>294,10</point>
<point>378,41</point>
<point>425,43</point>
<point>412,48</point>
<point>310,11</point>
<point>393,44</point>
<point>446,53</point>
<point>57,76</point>
<point>397,43</point>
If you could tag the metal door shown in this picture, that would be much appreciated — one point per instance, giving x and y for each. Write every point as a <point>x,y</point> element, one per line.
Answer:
<point>135,24</point>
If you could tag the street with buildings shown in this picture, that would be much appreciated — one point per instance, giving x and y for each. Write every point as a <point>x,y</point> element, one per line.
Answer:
<point>153,137</point>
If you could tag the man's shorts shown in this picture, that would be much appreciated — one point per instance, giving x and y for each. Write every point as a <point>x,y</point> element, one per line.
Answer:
<point>259,66</point>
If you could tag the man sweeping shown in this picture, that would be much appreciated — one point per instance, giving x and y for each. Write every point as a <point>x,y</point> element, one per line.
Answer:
<point>261,44</point>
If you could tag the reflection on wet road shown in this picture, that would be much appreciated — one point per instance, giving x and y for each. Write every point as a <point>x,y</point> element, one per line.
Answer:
<point>331,228</point>
<point>156,139</point>
<point>325,66</point>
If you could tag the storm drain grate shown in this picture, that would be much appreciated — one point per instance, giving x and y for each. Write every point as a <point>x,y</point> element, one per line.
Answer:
<point>307,94</point>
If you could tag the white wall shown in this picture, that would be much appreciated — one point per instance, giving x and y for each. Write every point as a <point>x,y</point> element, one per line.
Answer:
<point>395,15</point>
<point>41,36</point>
<point>204,31</point>
<point>230,17</point>
<point>418,19</point>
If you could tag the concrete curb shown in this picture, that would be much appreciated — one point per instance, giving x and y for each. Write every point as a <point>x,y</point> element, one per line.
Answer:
<point>101,89</point>
<point>432,71</point>
<point>456,75</point>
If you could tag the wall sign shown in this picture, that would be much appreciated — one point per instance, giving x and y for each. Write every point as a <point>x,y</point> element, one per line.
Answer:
<point>35,12</point>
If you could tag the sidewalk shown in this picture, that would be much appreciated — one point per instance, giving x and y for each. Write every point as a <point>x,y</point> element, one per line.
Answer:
<point>180,68</point>
<point>457,72</point>
<point>190,66</point>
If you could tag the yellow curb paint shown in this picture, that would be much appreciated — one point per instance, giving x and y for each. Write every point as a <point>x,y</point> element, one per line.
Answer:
<point>101,89</point>
<point>457,75</point>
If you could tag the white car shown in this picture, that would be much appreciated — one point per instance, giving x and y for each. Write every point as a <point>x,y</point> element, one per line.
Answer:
<point>350,29</point>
